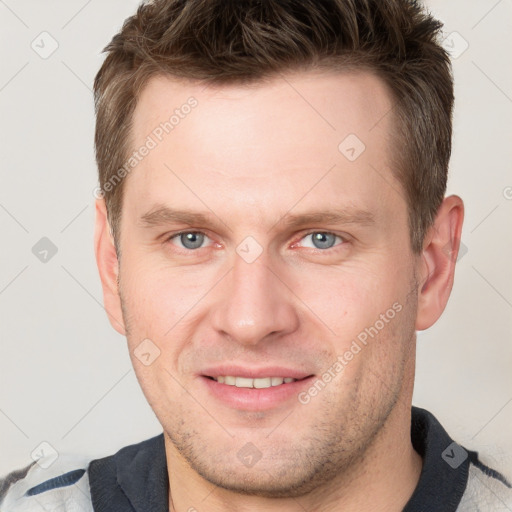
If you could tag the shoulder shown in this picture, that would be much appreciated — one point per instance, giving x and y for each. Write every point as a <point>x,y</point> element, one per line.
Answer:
<point>81,484</point>
<point>487,489</point>
<point>60,484</point>
<point>454,477</point>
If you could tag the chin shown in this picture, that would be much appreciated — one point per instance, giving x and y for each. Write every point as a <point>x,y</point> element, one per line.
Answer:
<point>266,483</point>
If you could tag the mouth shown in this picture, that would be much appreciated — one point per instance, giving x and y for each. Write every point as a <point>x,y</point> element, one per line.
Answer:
<point>247,382</point>
<point>256,391</point>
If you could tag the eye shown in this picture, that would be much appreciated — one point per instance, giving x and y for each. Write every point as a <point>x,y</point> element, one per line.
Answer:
<point>189,239</point>
<point>320,240</point>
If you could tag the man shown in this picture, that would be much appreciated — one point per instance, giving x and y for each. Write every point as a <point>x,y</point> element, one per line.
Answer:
<point>271,232</point>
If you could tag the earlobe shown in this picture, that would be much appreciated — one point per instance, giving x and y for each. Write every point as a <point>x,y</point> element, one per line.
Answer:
<point>108,267</point>
<point>438,261</point>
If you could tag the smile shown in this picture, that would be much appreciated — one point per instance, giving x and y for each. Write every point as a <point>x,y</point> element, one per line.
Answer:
<point>257,392</point>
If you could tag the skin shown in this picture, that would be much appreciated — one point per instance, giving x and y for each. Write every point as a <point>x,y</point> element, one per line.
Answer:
<point>246,157</point>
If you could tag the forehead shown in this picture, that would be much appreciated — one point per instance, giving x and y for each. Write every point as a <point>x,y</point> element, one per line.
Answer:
<point>329,104</point>
<point>263,144</point>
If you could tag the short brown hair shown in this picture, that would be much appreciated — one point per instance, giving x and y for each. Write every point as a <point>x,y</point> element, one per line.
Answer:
<point>228,41</point>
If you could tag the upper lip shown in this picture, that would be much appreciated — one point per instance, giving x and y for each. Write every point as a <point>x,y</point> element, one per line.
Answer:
<point>254,373</point>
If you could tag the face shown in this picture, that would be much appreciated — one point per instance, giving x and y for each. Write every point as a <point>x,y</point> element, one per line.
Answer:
<point>265,253</point>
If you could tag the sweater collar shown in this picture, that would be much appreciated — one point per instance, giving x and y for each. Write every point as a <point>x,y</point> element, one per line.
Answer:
<point>444,475</point>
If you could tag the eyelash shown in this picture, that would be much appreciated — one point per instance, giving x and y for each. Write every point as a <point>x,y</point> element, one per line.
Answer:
<point>329,249</point>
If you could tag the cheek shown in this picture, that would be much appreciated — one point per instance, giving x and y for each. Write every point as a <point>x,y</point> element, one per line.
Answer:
<point>157,297</point>
<point>348,300</point>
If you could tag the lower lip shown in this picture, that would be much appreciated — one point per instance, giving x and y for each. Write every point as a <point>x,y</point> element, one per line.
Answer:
<point>252,399</point>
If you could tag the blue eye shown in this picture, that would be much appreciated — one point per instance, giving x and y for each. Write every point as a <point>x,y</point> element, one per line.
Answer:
<point>190,239</point>
<point>193,240</point>
<point>322,240</point>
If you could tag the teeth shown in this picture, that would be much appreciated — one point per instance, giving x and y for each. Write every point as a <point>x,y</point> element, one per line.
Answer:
<point>261,383</point>
<point>242,382</point>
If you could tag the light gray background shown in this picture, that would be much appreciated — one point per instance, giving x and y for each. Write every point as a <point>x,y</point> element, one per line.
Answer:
<point>66,377</point>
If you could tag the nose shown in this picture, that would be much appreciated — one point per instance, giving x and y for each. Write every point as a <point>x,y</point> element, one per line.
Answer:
<point>254,304</point>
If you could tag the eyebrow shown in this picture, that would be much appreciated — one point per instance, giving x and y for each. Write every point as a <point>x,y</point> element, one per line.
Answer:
<point>336,216</point>
<point>162,215</point>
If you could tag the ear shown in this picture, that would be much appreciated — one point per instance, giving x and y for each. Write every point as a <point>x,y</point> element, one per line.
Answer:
<point>438,259</point>
<point>108,266</point>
